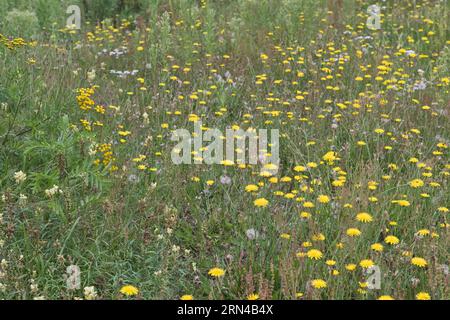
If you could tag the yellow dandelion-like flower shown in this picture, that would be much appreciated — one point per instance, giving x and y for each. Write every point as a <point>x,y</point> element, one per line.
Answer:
<point>366,263</point>
<point>261,203</point>
<point>323,199</point>
<point>385,298</point>
<point>216,272</point>
<point>377,247</point>
<point>300,169</point>
<point>308,204</point>
<point>253,296</point>
<point>350,267</point>
<point>330,157</point>
<point>416,183</point>
<point>314,254</point>
<point>392,240</point>
<point>423,296</point>
<point>187,297</point>
<point>319,283</point>
<point>129,290</point>
<point>402,203</point>
<point>364,217</point>
<point>353,232</point>
<point>423,232</point>
<point>251,188</point>
<point>419,262</point>
<point>330,263</point>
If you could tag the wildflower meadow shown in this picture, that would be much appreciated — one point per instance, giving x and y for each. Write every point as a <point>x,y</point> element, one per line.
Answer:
<point>224,149</point>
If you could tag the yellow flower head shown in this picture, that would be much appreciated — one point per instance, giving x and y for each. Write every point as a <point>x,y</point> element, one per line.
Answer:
<point>385,298</point>
<point>419,262</point>
<point>423,296</point>
<point>253,296</point>
<point>319,283</point>
<point>261,203</point>
<point>216,272</point>
<point>366,263</point>
<point>364,217</point>
<point>314,254</point>
<point>129,290</point>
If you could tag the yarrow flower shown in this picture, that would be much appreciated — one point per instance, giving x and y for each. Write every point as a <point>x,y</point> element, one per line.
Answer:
<point>20,176</point>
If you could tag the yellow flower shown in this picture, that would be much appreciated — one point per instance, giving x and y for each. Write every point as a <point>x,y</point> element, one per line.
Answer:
<point>314,254</point>
<point>216,272</point>
<point>308,204</point>
<point>423,296</point>
<point>419,262</point>
<point>366,263</point>
<point>330,157</point>
<point>253,296</point>
<point>364,217</point>
<point>187,297</point>
<point>261,203</point>
<point>353,232</point>
<point>416,183</point>
<point>129,290</point>
<point>299,169</point>
<point>251,188</point>
<point>319,283</point>
<point>377,247</point>
<point>323,199</point>
<point>391,240</point>
<point>402,203</point>
<point>350,266</point>
<point>330,263</point>
<point>385,298</point>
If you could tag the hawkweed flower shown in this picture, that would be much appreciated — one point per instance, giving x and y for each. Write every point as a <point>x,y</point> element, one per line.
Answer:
<point>129,290</point>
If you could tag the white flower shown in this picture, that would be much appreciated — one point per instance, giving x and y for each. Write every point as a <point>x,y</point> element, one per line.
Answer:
<point>90,293</point>
<point>91,75</point>
<point>4,264</point>
<point>252,234</point>
<point>52,191</point>
<point>20,176</point>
